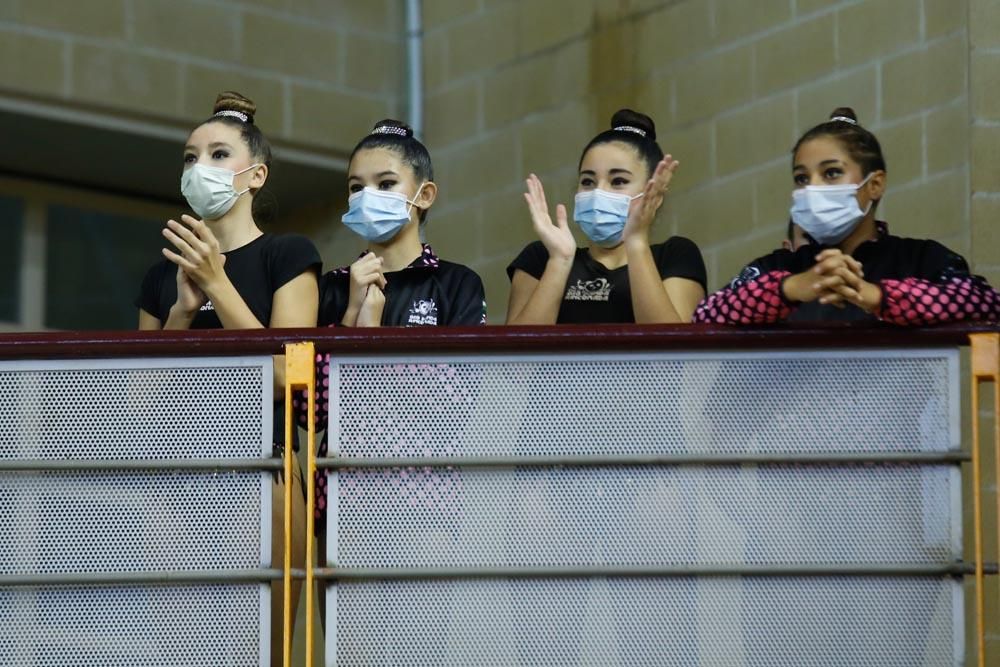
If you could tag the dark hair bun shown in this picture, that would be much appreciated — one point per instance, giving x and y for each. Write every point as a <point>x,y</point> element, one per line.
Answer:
<point>626,120</point>
<point>392,126</point>
<point>844,112</point>
<point>232,101</point>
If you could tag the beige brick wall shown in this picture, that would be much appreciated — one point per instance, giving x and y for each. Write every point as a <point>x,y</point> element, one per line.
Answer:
<point>984,65</point>
<point>320,71</point>
<point>985,162</point>
<point>518,86</point>
<point>514,86</point>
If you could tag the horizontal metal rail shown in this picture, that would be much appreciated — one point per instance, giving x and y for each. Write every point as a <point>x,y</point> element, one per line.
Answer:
<point>90,465</point>
<point>794,570</point>
<point>581,460</point>
<point>151,577</point>
<point>172,577</point>
<point>692,459</point>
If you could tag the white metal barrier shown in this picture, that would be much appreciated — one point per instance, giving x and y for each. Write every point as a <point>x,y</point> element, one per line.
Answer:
<point>732,508</point>
<point>782,507</point>
<point>135,511</point>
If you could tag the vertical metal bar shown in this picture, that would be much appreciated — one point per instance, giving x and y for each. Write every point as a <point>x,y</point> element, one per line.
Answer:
<point>286,589</point>
<point>415,67</point>
<point>985,362</point>
<point>310,583</point>
<point>299,374</point>
<point>994,345</point>
<point>33,273</point>
<point>977,527</point>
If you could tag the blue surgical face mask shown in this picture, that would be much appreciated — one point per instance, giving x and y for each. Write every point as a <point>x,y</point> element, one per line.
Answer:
<point>378,215</point>
<point>602,215</point>
<point>828,213</point>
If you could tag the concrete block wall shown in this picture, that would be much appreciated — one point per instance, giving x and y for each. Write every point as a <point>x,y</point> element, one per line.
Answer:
<point>984,59</point>
<point>320,72</point>
<point>518,86</point>
<point>984,165</point>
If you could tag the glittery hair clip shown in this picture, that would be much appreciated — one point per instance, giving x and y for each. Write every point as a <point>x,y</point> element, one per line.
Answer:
<point>231,113</point>
<point>844,119</point>
<point>391,129</point>
<point>629,128</point>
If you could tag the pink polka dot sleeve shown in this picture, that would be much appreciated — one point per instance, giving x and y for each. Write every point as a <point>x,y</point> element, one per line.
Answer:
<point>299,401</point>
<point>914,301</point>
<point>756,301</point>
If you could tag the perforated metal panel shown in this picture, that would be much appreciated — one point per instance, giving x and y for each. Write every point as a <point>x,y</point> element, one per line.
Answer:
<point>641,404</point>
<point>75,522</point>
<point>648,516</point>
<point>614,622</point>
<point>130,522</point>
<point>133,409</point>
<point>627,515</point>
<point>188,626</point>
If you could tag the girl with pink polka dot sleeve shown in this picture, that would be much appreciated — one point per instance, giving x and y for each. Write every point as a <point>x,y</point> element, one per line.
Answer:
<point>853,268</point>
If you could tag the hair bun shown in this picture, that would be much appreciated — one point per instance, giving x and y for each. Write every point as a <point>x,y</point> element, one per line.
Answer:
<point>845,114</point>
<point>392,126</point>
<point>627,120</point>
<point>231,103</point>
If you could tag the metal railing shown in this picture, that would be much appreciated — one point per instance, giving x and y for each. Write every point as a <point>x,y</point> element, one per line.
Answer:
<point>985,368</point>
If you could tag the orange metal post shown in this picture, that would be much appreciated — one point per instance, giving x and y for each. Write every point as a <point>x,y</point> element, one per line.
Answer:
<point>985,361</point>
<point>299,375</point>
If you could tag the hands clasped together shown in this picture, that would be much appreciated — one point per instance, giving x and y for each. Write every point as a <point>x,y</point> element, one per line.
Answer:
<point>199,262</point>
<point>836,279</point>
<point>366,300</point>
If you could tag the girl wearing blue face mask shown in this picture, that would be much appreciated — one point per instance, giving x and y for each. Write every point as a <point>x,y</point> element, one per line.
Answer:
<point>855,270</point>
<point>219,270</point>
<point>619,276</point>
<point>398,280</point>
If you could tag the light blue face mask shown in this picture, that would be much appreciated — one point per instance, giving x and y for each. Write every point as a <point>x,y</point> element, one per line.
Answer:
<point>378,215</point>
<point>602,215</point>
<point>828,213</point>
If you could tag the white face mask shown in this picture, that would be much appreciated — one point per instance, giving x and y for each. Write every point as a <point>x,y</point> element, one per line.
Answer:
<point>828,213</point>
<point>378,215</point>
<point>209,191</point>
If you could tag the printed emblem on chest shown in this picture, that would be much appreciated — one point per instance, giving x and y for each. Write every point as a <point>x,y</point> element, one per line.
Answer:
<point>423,312</point>
<point>746,275</point>
<point>598,289</point>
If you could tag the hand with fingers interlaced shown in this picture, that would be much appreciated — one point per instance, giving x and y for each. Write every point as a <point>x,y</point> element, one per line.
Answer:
<point>836,279</point>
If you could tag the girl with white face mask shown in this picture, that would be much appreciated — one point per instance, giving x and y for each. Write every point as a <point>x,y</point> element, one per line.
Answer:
<point>213,271</point>
<point>619,276</point>
<point>855,270</point>
<point>219,270</point>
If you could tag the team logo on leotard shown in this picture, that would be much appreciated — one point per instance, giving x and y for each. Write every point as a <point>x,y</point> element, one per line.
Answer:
<point>207,305</point>
<point>749,272</point>
<point>423,312</point>
<point>598,289</point>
